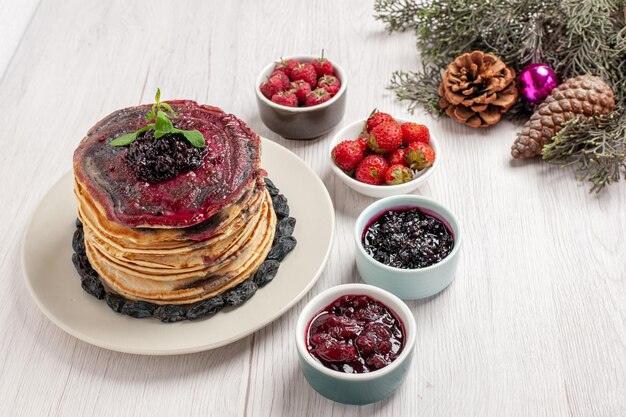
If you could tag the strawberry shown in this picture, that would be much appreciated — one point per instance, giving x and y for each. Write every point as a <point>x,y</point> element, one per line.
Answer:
<point>282,77</point>
<point>317,96</point>
<point>347,155</point>
<point>323,66</point>
<point>371,170</point>
<point>385,138</point>
<point>397,157</point>
<point>305,72</point>
<point>286,66</point>
<point>285,98</point>
<point>398,174</point>
<point>362,142</point>
<point>301,88</point>
<point>377,118</point>
<point>271,87</point>
<point>329,83</point>
<point>414,132</point>
<point>419,155</point>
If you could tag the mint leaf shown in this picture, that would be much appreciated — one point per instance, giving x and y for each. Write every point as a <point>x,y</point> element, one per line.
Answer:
<point>193,136</point>
<point>162,125</point>
<point>129,138</point>
<point>169,109</point>
<point>124,140</point>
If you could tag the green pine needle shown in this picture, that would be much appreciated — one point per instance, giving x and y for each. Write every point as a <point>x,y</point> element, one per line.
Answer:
<point>574,37</point>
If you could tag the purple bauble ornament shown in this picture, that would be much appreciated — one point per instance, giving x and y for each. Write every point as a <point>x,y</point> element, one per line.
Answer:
<point>536,81</point>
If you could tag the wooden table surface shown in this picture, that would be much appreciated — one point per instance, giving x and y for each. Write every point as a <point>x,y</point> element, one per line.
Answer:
<point>534,324</point>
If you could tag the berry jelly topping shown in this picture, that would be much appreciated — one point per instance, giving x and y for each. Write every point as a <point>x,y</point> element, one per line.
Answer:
<point>155,160</point>
<point>230,166</point>
<point>355,334</point>
<point>408,239</point>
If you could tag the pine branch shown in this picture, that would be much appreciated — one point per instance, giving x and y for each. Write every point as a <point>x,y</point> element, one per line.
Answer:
<point>397,15</point>
<point>574,37</point>
<point>595,148</point>
<point>419,88</point>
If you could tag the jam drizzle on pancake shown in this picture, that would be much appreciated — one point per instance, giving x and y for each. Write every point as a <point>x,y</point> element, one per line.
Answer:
<point>229,166</point>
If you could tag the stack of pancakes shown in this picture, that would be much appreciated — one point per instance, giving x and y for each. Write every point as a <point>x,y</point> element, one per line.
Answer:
<point>146,246</point>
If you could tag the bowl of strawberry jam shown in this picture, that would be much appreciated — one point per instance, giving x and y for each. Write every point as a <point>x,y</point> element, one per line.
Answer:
<point>408,245</point>
<point>355,343</point>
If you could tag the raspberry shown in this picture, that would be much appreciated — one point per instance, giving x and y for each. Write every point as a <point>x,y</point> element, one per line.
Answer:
<point>285,98</point>
<point>305,72</point>
<point>330,84</point>
<point>317,96</point>
<point>272,86</point>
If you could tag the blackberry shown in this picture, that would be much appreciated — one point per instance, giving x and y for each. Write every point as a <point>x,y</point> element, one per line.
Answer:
<point>156,160</point>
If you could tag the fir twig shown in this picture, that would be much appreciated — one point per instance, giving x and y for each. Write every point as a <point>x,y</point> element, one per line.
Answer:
<point>574,37</point>
<point>419,88</point>
<point>595,148</point>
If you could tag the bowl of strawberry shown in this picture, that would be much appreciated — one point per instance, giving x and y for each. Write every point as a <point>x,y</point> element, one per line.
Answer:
<point>301,97</point>
<point>383,156</point>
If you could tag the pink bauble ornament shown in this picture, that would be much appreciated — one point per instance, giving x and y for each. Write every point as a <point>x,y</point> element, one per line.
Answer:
<point>536,81</point>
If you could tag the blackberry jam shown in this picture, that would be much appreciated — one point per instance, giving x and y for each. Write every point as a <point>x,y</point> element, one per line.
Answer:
<point>156,160</point>
<point>355,334</point>
<point>408,238</point>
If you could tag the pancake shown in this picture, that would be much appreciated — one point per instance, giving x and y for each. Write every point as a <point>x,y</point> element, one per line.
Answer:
<point>178,241</point>
<point>229,166</point>
<point>187,285</point>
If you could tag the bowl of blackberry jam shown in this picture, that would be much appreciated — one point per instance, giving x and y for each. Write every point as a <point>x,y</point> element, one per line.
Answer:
<point>355,343</point>
<point>408,245</point>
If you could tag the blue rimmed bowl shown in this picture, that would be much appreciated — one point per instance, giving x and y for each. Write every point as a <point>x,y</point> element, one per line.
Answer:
<point>363,388</point>
<point>408,284</point>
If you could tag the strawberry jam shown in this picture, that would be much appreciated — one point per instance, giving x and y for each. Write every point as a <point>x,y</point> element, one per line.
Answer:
<point>355,334</point>
<point>408,238</point>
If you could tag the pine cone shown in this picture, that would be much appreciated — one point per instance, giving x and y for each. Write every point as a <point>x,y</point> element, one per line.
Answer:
<point>584,96</point>
<point>477,88</point>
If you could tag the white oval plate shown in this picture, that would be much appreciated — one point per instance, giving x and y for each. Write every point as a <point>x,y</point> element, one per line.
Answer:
<point>55,286</point>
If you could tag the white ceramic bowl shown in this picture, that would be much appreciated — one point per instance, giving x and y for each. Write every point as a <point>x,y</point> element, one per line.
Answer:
<point>351,132</point>
<point>302,122</point>
<point>408,284</point>
<point>356,388</point>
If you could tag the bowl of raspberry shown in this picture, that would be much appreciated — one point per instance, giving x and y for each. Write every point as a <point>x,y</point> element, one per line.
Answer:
<point>408,245</point>
<point>355,343</point>
<point>383,156</point>
<point>301,97</point>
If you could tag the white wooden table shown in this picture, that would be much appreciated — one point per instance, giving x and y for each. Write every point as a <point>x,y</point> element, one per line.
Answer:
<point>534,325</point>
